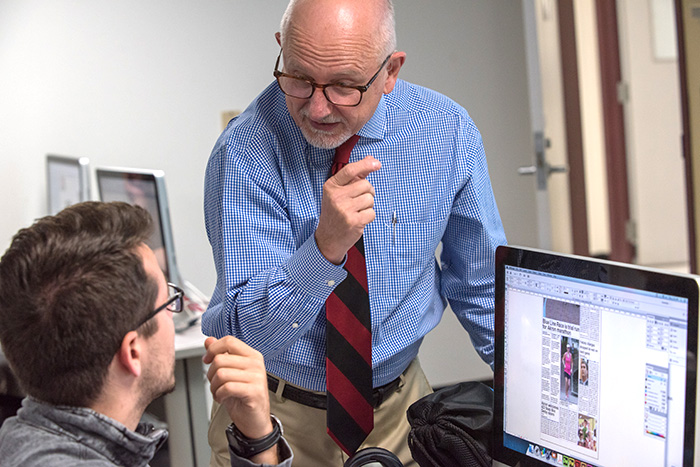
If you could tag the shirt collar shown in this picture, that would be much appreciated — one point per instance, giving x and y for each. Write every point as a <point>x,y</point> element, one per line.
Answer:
<point>375,128</point>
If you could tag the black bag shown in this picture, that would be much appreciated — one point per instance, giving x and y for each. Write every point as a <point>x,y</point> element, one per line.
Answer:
<point>452,426</point>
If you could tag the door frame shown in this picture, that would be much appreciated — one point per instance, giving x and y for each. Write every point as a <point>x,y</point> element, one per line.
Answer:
<point>621,249</point>
<point>574,134</point>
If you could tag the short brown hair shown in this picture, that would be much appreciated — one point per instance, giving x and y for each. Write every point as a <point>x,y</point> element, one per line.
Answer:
<point>72,285</point>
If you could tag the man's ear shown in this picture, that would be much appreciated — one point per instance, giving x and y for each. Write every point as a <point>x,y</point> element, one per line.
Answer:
<point>278,36</point>
<point>392,67</point>
<point>130,353</point>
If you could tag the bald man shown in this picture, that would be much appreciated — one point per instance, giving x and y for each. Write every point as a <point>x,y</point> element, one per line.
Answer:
<point>280,224</point>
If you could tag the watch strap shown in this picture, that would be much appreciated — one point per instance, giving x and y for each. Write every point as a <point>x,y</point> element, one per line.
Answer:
<point>244,447</point>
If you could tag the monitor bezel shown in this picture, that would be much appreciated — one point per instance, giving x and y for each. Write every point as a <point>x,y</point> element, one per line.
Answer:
<point>602,271</point>
<point>158,177</point>
<point>80,163</point>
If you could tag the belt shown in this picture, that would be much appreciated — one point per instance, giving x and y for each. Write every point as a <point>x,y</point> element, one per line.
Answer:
<point>318,401</point>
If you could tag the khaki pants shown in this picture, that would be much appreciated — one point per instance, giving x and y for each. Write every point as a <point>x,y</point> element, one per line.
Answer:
<point>305,427</point>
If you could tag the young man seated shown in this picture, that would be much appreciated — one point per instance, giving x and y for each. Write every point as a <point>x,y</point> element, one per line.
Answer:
<point>86,325</point>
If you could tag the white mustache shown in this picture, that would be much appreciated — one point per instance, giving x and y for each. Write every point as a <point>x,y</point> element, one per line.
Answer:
<point>328,119</point>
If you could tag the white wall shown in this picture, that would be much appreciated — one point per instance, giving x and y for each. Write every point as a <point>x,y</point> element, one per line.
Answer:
<point>143,83</point>
<point>126,83</point>
<point>473,51</point>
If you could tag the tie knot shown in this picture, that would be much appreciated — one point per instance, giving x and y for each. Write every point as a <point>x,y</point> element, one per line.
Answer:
<point>342,153</point>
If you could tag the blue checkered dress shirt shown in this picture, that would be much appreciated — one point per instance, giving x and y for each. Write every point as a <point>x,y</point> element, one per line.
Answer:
<point>263,192</point>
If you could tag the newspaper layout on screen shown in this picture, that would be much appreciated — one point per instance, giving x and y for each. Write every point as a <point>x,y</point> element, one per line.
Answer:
<point>594,371</point>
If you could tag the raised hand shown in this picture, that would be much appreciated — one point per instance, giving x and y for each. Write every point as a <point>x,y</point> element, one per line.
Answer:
<point>239,383</point>
<point>347,207</point>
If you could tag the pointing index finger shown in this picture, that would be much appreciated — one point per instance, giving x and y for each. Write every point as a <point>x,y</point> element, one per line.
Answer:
<point>357,170</point>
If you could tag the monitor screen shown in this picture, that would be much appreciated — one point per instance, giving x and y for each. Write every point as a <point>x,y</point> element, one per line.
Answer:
<point>145,188</point>
<point>595,362</point>
<point>67,181</point>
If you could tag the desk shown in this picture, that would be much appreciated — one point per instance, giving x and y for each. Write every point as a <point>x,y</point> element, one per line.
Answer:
<point>187,408</point>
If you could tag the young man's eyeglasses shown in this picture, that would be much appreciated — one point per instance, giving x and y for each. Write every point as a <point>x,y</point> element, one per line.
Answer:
<point>174,302</point>
<point>337,94</point>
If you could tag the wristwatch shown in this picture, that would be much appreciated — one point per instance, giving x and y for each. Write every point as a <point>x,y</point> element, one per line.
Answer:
<point>244,447</point>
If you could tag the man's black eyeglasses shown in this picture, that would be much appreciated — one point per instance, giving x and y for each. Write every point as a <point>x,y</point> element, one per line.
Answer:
<point>337,94</point>
<point>174,303</point>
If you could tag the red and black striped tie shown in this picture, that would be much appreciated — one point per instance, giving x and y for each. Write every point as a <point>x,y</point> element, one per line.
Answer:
<point>350,416</point>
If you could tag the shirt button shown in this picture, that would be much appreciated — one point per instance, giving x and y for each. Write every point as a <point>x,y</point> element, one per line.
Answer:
<point>295,325</point>
<point>331,283</point>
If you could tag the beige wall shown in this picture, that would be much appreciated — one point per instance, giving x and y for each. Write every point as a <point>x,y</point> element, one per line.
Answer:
<point>652,114</point>
<point>653,131</point>
<point>691,30</point>
<point>554,125</point>
<point>592,127</point>
<point>591,121</point>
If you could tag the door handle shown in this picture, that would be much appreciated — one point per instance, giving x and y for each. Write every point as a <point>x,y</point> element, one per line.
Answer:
<point>532,169</point>
<point>542,168</point>
<point>527,170</point>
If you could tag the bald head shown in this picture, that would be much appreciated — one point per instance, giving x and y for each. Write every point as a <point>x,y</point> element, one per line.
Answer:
<point>368,24</point>
<point>348,43</point>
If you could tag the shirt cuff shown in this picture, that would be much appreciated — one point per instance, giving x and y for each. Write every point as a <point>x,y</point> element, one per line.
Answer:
<point>312,272</point>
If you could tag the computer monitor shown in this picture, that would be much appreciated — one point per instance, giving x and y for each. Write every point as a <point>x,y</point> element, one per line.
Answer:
<point>67,181</point>
<point>145,188</point>
<point>595,362</point>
